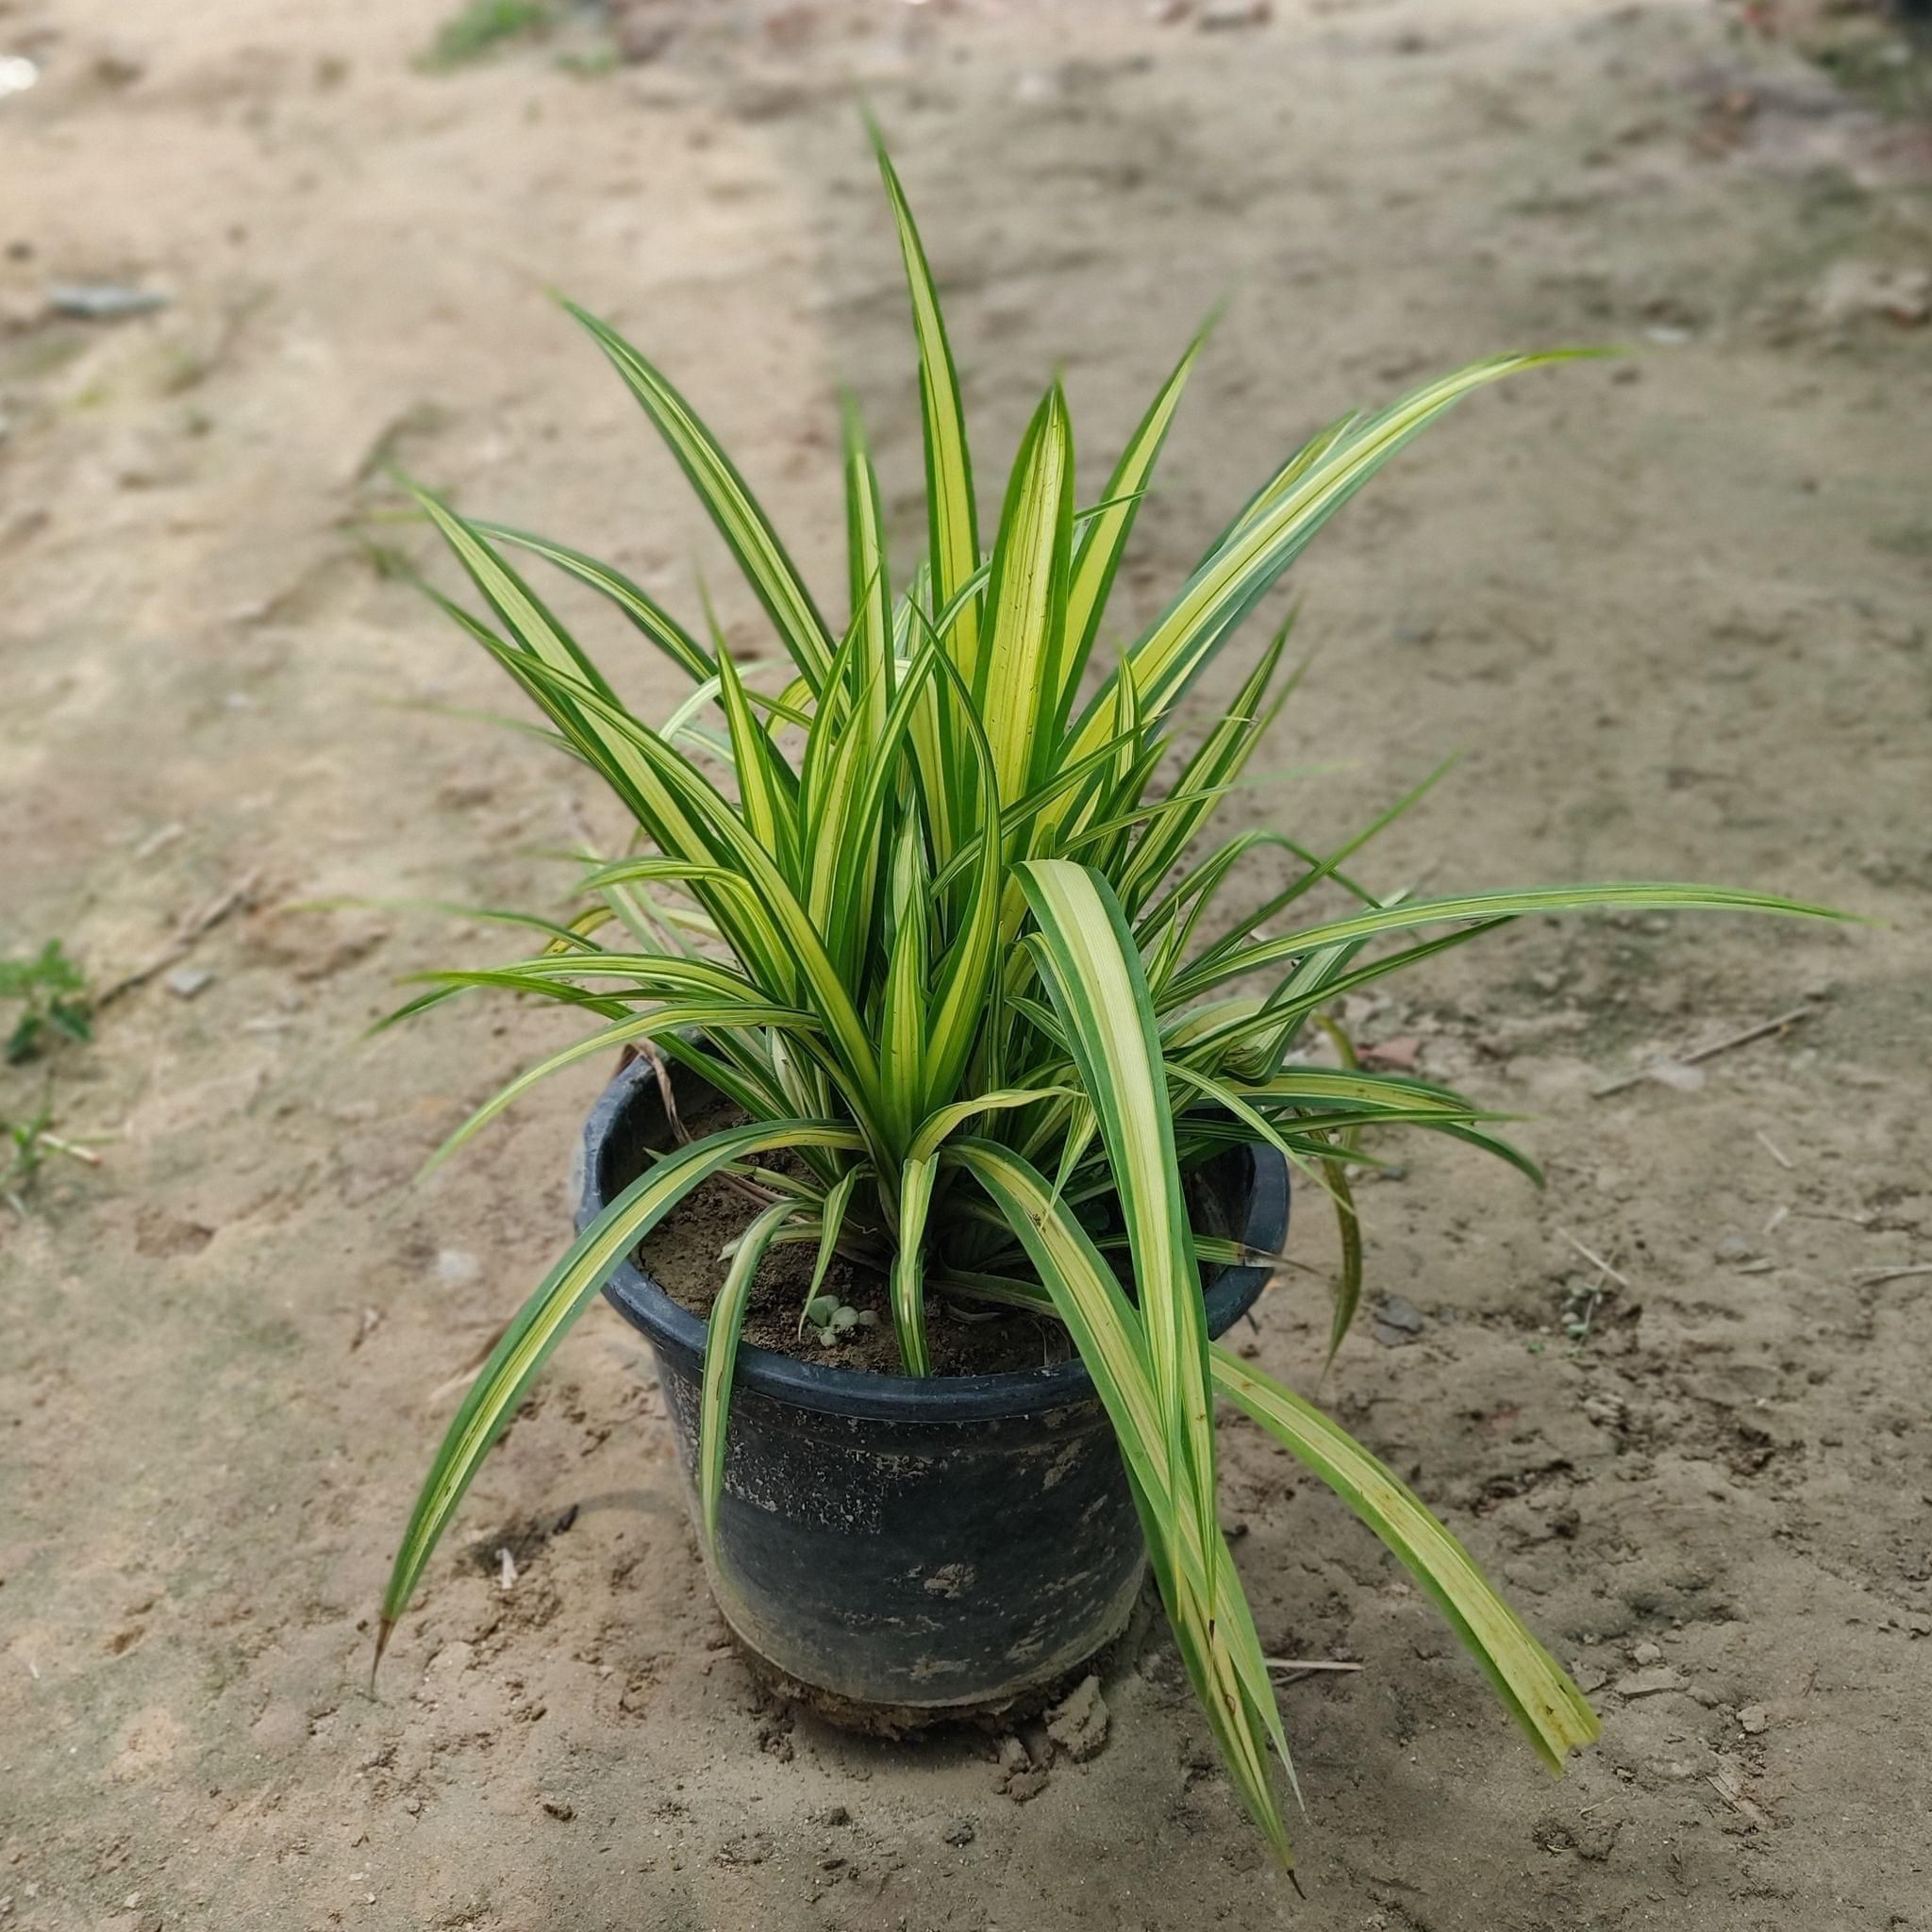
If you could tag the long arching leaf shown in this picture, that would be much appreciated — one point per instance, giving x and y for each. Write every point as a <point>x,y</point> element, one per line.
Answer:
<point>1537,1692</point>
<point>563,1296</point>
<point>747,531</point>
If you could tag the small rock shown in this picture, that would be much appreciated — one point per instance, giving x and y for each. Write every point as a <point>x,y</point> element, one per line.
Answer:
<point>1607,1411</point>
<point>412,1806</point>
<point>559,1808</point>
<point>1676,1076</point>
<point>644,29</point>
<point>1648,1683</point>
<point>118,67</point>
<point>1590,1677</point>
<point>1754,1720</point>
<point>457,1267</point>
<point>832,1816</point>
<point>1398,1321</point>
<point>1736,1249</point>
<point>962,1831</point>
<point>185,982</point>
<point>103,301</point>
<point>1646,1653</point>
<point>1853,290</point>
<point>1397,1055</point>
<point>1078,1723</point>
<point>1019,1778</point>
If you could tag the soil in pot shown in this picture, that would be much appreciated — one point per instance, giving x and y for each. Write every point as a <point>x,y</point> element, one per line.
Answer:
<point>683,1254</point>
<point>683,1251</point>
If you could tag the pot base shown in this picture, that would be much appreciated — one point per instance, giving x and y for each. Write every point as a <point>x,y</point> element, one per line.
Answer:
<point>899,1723</point>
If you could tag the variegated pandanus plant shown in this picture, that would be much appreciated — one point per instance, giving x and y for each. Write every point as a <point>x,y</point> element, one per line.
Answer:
<point>942,914</point>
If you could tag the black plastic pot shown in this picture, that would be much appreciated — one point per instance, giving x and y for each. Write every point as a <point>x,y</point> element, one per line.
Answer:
<point>899,1550</point>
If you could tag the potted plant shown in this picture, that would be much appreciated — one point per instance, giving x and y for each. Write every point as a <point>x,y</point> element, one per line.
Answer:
<point>923,954</point>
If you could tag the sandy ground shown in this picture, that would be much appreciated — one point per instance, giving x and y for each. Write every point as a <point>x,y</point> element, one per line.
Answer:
<point>1676,608</point>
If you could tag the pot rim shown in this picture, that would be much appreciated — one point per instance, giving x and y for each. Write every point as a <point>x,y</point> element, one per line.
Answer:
<point>830,1389</point>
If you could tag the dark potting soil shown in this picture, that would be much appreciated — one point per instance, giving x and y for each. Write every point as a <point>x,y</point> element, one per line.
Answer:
<point>683,1254</point>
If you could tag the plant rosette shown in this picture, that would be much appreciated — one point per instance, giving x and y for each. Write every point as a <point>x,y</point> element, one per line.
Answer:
<point>938,912</point>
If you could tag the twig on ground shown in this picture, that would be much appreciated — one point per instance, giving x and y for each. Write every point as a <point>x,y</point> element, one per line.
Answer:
<point>1779,1217</point>
<point>191,929</point>
<point>156,841</point>
<point>72,1149</point>
<point>1597,1261</point>
<point>1706,1053</point>
<point>1733,1795</point>
<point>1871,1277</point>
<point>1293,1667</point>
<point>1771,1148</point>
<point>465,1375</point>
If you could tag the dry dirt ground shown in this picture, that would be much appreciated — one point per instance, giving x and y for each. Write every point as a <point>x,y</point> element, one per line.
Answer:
<point>1675,609</point>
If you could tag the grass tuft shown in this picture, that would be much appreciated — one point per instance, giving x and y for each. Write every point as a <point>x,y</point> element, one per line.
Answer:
<point>481,26</point>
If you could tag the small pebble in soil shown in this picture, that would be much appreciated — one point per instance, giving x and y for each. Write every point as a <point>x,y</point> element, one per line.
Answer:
<point>560,1808</point>
<point>1647,1683</point>
<point>102,301</point>
<point>1222,15</point>
<point>1019,1778</point>
<point>1754,1720</point>
<point>1646,1653</point>
<point>962,1831</point>
<point>1734,1249</point>
<point>1078,1722</point>
<point>1398,1321</point>
<point>187,981</point>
